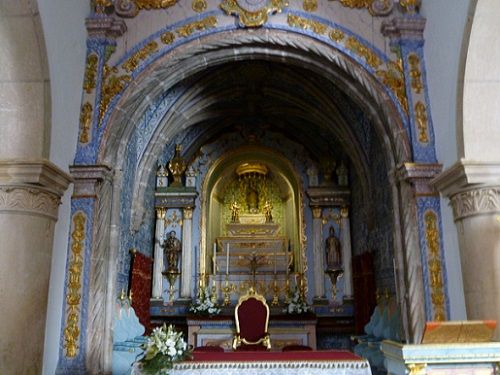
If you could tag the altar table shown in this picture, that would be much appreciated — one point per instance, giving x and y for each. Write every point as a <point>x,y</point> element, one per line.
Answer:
<point>273,363</point>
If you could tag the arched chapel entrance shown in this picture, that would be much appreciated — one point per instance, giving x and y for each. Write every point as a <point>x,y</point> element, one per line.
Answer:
<point>250,145</point>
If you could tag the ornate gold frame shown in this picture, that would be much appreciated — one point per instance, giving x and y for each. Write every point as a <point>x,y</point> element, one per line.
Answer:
<point>237,340</point>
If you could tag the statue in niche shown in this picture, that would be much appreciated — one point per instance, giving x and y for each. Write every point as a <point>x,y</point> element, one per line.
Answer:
<point>235,212</point>
<point>268,207</point>
<point>333,252</point>
<point>253,201</point>
<point>172,249</point>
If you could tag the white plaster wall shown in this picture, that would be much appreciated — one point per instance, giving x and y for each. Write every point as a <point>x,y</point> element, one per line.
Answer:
<point>63,23</point>
<point>444,32</point>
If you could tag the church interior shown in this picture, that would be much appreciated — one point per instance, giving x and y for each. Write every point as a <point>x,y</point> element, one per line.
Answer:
<point>164,161</point>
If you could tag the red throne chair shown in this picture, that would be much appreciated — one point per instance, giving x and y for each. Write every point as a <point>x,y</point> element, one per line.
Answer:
<point>252,319</point>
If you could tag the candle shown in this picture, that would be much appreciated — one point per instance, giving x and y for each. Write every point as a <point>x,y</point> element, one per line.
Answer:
<point>286,258</point>
<point>227,259</point>
<point>215,258</point>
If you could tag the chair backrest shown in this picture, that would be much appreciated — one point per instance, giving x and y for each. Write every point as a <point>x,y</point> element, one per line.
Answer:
<point>252,316</point>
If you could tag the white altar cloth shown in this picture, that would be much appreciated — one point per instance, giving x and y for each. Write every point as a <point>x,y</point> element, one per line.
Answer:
<point>265,364</point>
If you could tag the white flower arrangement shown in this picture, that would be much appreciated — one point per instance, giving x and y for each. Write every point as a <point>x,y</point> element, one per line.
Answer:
<point>296,304</point>
<point>164,347</point>
<point>204,305</point>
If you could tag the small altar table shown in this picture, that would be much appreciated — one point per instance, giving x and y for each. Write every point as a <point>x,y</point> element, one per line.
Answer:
<point>273,363</point>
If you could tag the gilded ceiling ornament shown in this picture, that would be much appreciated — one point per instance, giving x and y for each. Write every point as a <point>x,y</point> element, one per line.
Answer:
<point>140,55</point>
<point>89,79</point>
<point>168,37</point>
<point>422,124</point>
<point>434,263</point>
<point>310,5</point>
<point>112,85</point>
<point>85,122</point>
<point>73,296</point>
<point>199,5</point>
<point>306,24</point>
<point>370,57</point>
<point>416,82</point>
<point>253,13</point>
<point>190,28</point>
<point>336,35</point>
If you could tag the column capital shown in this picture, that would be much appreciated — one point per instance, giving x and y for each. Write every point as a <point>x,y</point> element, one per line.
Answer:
<point>405,28</point>
<point>420,176</point>
<point>88,177</point>
<point>34,173</point>
<point>187,212</point>
<point>100,27</point>
<point>32,187</point>
<point>473,187</point>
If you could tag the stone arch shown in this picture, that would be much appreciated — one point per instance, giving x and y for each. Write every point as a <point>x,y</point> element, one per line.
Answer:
<point>296,49</point>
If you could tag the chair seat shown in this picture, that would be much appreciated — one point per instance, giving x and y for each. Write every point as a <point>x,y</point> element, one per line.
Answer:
<point>208,348</point>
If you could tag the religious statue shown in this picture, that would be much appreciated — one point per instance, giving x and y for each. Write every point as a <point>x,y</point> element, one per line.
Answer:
<point>268,212</point>
<point>172,248</point>
<point>177,167</point>
<point>333,252</point>
<point>253,201</point>
<point>235,212</point>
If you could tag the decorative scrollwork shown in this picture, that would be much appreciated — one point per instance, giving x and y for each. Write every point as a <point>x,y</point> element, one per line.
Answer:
<point>199,5</point>
<point>306,24</point>
<point>130,8</point>
<point>336,35</point>
<point>434,263</point>
<point>394,79</point>
<point>310,5</point>
<point>89,80</point>
<point>190,28</point>
<point>73,294</point>
<point>112,85</point>
<point>140,55</point>
<point>422,122</point>
<point>371,58</point>
<point>85,122</point>
<point>375,7</point>
<point>168,37</point>
<point>416,82</point>
<point>253,14</point>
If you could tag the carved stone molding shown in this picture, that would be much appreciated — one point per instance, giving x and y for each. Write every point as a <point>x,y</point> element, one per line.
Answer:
<point>87,179</point>
<point>31,187</point>
<point>105,27</point>
<point>37,172</point>
<point>420,176</point>
<point>26,199</point>
<point>476,202</point>
<point>472,186</point>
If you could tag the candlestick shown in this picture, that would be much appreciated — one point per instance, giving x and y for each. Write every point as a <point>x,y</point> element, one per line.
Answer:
<point>214,259</point>
<point>227,259</point>
<point>275,255</point>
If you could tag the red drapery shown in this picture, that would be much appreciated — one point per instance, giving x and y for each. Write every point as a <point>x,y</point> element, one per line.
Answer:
<point>140,284</point>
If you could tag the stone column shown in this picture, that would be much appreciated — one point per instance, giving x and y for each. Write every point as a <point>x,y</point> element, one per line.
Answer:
<point>319,267</point>
<point>474,192</point>
<point>158,254</point>
<point>30,193</point>
<point>345,240</point>
<point>187,251</point>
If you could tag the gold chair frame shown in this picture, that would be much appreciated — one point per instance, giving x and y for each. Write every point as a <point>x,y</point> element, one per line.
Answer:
<point>238,340</point>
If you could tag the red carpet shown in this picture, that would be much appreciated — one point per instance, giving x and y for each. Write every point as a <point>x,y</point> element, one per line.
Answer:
<point>337,355</point>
